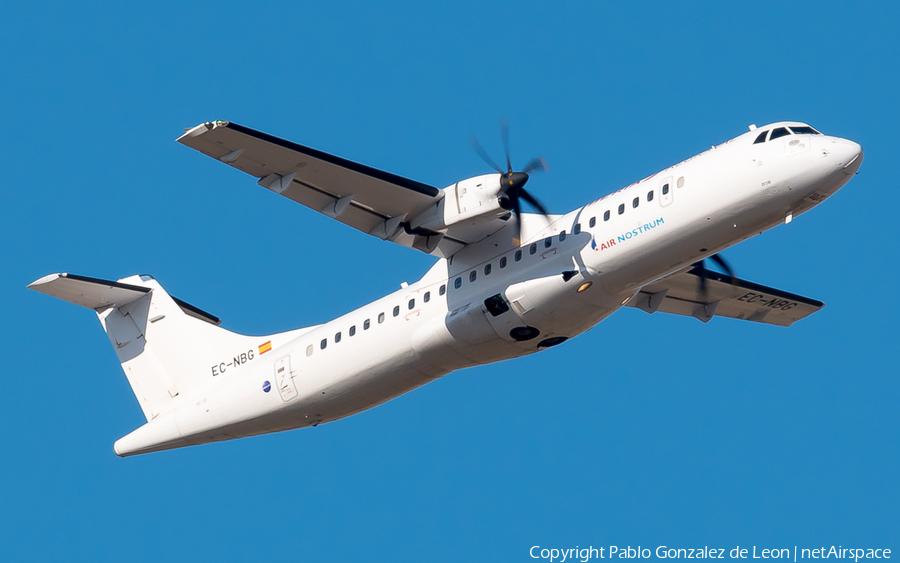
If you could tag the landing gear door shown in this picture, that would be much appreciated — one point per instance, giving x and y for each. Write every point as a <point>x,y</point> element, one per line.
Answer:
<point>284,379</point>
<point>501,316</point>
<point>666,192</point>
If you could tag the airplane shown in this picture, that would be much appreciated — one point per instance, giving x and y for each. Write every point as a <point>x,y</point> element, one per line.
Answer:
<point>506,283</point>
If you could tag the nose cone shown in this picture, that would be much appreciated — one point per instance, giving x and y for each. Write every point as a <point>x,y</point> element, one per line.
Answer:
<point>847,155</point>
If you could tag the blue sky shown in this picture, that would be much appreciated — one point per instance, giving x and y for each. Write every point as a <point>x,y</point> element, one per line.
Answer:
<point>649,430</point>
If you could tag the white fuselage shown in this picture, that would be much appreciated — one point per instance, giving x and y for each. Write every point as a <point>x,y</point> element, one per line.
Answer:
<point>399,342</point>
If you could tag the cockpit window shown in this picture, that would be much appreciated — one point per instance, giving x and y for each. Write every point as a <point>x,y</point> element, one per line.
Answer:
<point>804,130</point>
<point>761,138</point>
<point>780,132</point>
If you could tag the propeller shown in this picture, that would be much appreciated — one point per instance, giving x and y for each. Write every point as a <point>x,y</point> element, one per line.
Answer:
<point>512,184</point>
<point>703,272</point>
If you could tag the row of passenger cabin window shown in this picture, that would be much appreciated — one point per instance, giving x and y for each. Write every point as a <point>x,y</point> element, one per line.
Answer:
<point>367,324</point>
<point>634,204</point>
<point>784,132</point>
<point>548,242</point>
<point>517,257</point>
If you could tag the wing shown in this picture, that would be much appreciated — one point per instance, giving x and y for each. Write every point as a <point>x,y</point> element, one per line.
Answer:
<point>373,201</point>
<point>725,296</point>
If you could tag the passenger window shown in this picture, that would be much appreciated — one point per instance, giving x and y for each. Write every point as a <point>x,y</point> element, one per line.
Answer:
<point>380,318</point>
<point>487,269</point>
<point>366,324</point>
<point>761,138</point>
<point>352,330</point>
<point>337,337</point>
<point>412,304</point>
<point>518,255</point>
<point>665,189</point>
<point>636,202</point>
<point>457,283</point>
<point>309,350</point>
<point>503,262</point>
<point>681,182</point>
<point>547,242</point>
<point>472,275</point>
<point>606,215</point>
<point>323,344</point>
<point>396,310</point>
<point>427,297</point>
<point>562,236</point>
<point>533,248</point>
<point>443,289</point>
<point>650,195</point>
<point>621,208</point>
<point>594,220</point>
<point>780,132</point>
<point>576,230</point>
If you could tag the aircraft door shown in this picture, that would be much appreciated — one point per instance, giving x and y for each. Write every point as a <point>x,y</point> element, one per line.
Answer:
<point>666,192</point>
<point>284,379</point>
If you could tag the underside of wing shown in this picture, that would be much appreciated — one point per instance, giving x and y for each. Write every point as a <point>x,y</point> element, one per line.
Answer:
<point>723,296</point>
<point>373,201</point>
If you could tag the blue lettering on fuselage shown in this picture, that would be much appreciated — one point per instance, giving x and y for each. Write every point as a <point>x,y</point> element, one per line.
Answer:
<point>639,230</point>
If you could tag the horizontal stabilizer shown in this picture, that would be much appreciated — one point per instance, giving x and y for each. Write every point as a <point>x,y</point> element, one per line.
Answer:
<point>98,294</point>
<point>725,296</point>
<point>88,292</point>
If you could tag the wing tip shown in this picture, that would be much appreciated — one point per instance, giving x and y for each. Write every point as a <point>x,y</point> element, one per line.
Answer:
<point>45,280</point>
<point>197,130</point>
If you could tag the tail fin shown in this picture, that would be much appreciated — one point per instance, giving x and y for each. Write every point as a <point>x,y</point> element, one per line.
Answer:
<point>167,348</point>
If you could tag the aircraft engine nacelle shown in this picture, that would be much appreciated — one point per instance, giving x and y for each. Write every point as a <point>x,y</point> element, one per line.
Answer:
<point>474,204</point>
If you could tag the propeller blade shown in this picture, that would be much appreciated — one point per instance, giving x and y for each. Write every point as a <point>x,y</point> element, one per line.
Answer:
<point>723,264</point>
<point>483,153</point>
<point>702,273</point>
<point>536,164</point>
<point>517,212</point>
<point>504,134</point>
<point>533,202</point>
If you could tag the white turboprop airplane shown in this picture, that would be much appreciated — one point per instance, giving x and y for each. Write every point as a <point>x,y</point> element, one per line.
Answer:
<point>506,283</point>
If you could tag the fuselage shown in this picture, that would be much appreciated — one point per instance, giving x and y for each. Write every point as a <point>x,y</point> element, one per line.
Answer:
<point>497,299</point>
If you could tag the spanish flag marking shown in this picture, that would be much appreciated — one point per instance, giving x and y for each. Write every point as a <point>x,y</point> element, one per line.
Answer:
<point>263,348</point>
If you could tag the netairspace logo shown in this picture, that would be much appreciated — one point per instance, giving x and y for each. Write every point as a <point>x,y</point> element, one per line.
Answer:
<point>584,554</point>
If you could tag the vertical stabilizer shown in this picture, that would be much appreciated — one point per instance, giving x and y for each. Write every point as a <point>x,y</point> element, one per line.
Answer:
<point>168,351</point>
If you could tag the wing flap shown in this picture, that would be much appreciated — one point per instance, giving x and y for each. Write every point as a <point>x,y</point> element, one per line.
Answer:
<point>725,296</point>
